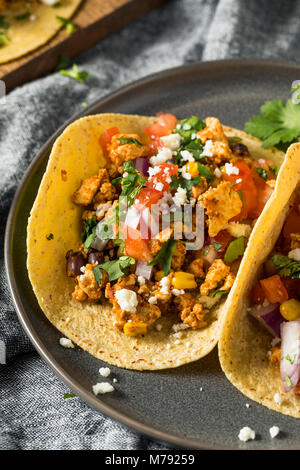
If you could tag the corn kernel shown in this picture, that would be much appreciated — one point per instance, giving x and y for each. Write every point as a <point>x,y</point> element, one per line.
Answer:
<point>134,329</point>
<point>182,280</point>
<point>290,309</point>
<point>192,168</point>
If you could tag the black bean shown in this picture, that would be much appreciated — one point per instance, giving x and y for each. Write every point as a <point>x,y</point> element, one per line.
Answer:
<point>95,257</point>
<point>75,261</point>
<point>240,149</point>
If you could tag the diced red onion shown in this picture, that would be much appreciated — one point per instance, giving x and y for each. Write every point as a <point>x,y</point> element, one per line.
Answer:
<point>210,257</point>
<point>143,270</point>
<point>132,218</point>
<point>99,244</point>
<point>268,316</point>
<point>290,354</point>
<point>142,165</point>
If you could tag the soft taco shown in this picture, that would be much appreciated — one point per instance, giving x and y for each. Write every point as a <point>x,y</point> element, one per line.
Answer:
<point>27,25</point>
<point>112,277</point>
<point>259,347</point>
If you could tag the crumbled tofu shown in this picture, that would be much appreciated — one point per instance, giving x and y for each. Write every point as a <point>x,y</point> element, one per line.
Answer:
<point>278,398</point>
<point>274,431</point>
<point>236,229</point>
<point>127,299</point>
<point>171,141</point>
<point>294,254</point>
<point>103,387</point>
<point>163,156</point>
<point>230,169</point>
<point>246,434</point>
<point>104,371</point>
<point>66,343</point>
<point>180,197</point>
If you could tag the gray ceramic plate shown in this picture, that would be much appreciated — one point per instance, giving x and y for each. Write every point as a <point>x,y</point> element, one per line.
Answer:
<point>193,406</point>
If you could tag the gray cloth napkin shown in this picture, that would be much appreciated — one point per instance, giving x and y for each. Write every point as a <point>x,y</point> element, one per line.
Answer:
<point>32,412</point>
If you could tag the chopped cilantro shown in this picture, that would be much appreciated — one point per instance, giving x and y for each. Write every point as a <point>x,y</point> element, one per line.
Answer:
<point>262,173</point>
<point>131,184</point>
<point>216,246</point>
<point>89,232</point>
<point>3,23</point>
<point>126,140</point>
<point>121,243</point>
<point>206,252</point>
<point>235,249</point>
<point>190,126</point>
<point>98,274</point>
<point>220,292</point>
<point>56,5</point>
<point>234,139</point>
<point>274,169</point>
<point>69,395</point>
<point>164,256</point>
<point>286,267</point>
<point>70,27</point>
<point>177,181</point>
<point>50,236</point>
<point>63,62</point>
<point>116,268</point>
<point>24,16</point>
<point>240,193</point>
<point>75,74</point>
<point>288,358</point>
<point>205,171</point>
<point>277,124</point>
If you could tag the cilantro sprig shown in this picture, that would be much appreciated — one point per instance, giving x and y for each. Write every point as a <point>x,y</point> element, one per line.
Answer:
<point>235,249</point>
<point>89,232</point>
<point>164,256</point>
<point>278,123</point>
<point>76,74</point>
<point>286,267</point>
<point>70,27</point>
<point>115,269</point>
<point>127,140</point>
<point>131,184</point>
<point>262,173</point>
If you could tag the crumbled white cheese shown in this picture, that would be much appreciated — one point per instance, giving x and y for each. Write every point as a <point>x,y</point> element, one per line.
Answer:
<point>247,405</point>
<point>187,156</point>
<point>171,141</point>
<point>246,433</point>
<point>152,300</point>
<point>158,186</point>
<point>154,171</point>
<point>207,150</point>
<point>193,136</point>
<point>294,254</point>
<point>165,283</point>
<point>125,174</point>
<point>278,398</point>
<point>185,174</point>
<point>217,173</point>
<point>82,269</point>
<point>186,126</point>
<point>104,371</point>
<point>177,341</point>
<point>115,380</point>
<point>103,387</point>
<point>141,280</point>
<point>230,169</point>
<point>66,343</point>
<point>127,299</point>
<point>180,326</point>
<point>201,389</point>
<point>168,346</point>
<point>163,156</point>
<point>274,431</point>
<point>239,180</point>
<point>177,292</point>
<point>178,334</point>
<point>180,197</point>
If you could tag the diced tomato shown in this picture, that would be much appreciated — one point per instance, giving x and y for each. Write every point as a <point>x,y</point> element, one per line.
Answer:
<point>167,170</point>
<point>258,294</point>
<point>223,238</point>
<point>292,223</point>
<point>247,188</point>
<point>106,137</point>
<point>264,191</point>
<point>274,289</point>
<point>154,146</point>
<point>147,197</point>
<point>165,124</point>
<point>135,245</point>
<point>292,286</point>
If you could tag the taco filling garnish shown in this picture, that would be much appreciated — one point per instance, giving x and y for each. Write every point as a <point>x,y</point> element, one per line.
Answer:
<point>259,348</point>
<point>136,248</point>
<point>138,230</point>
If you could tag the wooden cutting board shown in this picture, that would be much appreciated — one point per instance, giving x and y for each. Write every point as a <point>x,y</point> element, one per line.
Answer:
<point>95,19</point>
